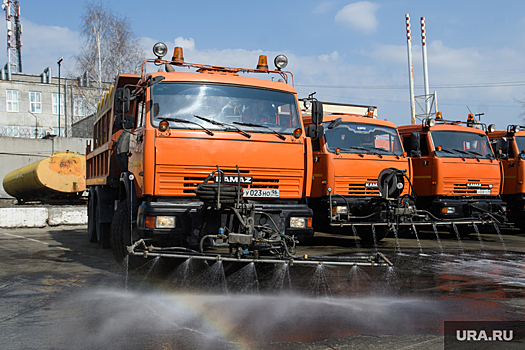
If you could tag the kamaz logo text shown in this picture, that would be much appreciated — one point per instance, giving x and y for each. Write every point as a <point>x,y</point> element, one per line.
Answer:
<point>473,184</point>
<point>235,179</point>
<point>370,184</point>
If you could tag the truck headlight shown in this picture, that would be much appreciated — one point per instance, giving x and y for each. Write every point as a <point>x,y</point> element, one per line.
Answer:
<point>448,210</point>
<point>296,222</point>
<point>339,209</point>
<point>165,222</point>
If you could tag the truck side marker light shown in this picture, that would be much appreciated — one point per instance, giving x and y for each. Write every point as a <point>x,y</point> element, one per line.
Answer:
<point>337,151</point>
<point>439,148</point>
<point>164,125</point>
<point>309,222</point>
<point>150,221</point>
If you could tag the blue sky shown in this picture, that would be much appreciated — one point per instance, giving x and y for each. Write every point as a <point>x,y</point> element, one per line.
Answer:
<point>347,51</point>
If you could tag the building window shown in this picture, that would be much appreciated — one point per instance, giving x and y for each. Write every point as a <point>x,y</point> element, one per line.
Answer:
<point>55,104</point>
<point>12,100</point>
<point>35,102</point>
<point>78,103</point>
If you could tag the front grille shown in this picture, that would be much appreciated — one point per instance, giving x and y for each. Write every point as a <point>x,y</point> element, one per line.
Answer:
<point>463,189</point>
<point>357,188</point>
<point>177,180</point>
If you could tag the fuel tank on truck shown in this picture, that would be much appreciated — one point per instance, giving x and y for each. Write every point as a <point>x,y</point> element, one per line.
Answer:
<point>60,177</point>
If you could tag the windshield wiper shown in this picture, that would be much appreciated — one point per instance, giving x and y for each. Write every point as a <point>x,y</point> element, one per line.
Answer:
<point>214,122</point>
<point>357,148</point>
<point>281,136</point>
<point>177,120</point>
<point>371,150</point>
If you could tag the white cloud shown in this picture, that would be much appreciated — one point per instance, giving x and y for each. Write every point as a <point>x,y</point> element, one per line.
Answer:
<point>359,16</point>
<point>334,56</point>
<point>186,44</point>
<point>43,45</point>
<point>323,7</point>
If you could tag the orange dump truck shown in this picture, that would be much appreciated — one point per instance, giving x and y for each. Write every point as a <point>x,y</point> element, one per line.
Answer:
<point>509,146</point>
<point>457,178</point>
<point>198,156</point>
<point>361,177</point>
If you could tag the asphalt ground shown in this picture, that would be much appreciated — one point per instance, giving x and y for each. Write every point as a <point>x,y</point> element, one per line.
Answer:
<point>58,291</point>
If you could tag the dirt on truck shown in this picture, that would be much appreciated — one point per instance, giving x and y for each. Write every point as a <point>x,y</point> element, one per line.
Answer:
<point>194,158</point>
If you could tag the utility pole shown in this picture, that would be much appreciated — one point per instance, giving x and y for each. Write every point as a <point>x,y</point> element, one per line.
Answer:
<point>14,31</point>
<point>59,64</point>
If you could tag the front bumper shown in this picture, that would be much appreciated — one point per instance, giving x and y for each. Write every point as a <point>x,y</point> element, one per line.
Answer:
<point>192,219</point>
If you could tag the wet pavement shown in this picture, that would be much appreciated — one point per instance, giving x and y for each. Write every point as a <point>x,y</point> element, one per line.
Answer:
<point>58,291</point>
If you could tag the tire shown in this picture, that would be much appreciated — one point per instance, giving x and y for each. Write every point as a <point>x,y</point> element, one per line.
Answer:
<point>120,235</point>
<point>367,236</point>
<point>91,230</point>
<point>102,229</point>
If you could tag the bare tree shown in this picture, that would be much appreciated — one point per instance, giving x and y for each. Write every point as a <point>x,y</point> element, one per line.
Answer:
<point>110,46</point>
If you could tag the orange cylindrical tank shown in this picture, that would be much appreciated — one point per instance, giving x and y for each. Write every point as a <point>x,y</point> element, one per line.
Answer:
<point>60,176</point>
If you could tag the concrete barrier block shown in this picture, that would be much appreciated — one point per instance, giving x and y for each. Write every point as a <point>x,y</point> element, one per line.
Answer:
<point>67,216</point>
<point>23,217</point>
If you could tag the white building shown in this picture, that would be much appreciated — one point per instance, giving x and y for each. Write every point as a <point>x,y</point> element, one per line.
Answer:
<point>29,103</point>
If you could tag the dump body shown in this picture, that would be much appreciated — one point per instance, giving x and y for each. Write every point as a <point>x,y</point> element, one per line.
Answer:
<point>509,146</point>
<point>348,161</point>
<point>198,155</point>
<point>59,177</point>
<point>456,176</point>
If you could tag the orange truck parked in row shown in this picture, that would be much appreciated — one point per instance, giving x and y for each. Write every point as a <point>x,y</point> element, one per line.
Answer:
<point>210,157</point>
<point>361,177</point>
<point>509,146</point>
<point>457,177</point>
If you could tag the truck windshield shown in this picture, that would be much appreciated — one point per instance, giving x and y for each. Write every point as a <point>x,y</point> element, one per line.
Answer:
<point>520,141</point>
<point>461,144</point>
<point>224,107</point>
<point>363,138</point>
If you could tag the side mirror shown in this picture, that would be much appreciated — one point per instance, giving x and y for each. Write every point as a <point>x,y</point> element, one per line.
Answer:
<point>124,121</point>
<point>315,131</point>
<point>122,100</point>
<point>317,112</point>
<point>415,153</point>
<point>503,145</point>
<point>415,143</point>
<point>156,110</point>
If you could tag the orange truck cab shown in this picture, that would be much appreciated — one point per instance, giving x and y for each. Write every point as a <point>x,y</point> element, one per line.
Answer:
<point>457,178</point>
<point>209,157</point>
<point>509,146</point>
<point>361,177</point>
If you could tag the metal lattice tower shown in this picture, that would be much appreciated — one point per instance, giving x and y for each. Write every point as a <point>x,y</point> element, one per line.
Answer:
<point>14,31</point>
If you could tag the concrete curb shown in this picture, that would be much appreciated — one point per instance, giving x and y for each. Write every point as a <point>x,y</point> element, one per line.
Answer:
<point>41,216</point>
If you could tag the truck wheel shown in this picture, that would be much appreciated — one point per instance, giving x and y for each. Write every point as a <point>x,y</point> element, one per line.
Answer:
<point>367,236</point>
<point>121,232</point>
<point>102,229</point>
<point>92,232</point>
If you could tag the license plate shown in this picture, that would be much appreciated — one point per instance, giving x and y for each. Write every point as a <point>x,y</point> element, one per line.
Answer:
<point>484,192</point>
<point>260,192</point>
